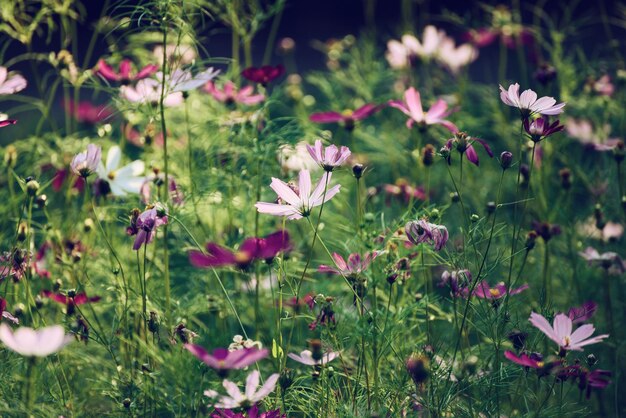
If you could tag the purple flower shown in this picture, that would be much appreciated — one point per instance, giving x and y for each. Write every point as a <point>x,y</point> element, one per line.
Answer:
<point>5,314</point>
<point>306,358</point>
<point>353,267</point>
<point>484,291</point>
<point>124,73</point>
<point>534,360</point>
<point>298,200</point>
<point>71,300</point>
<point>464,144</point>
<point>528,103</point>
<point>86,162</point>
<point>263,75</point>
<point>250,413</point>
<point>252,249</point>
<point>412,107</point>
<point>423,231</point>
<point>546,230</point>
<point>330,157</point>
<point>228,94</point>
<point>582,313</point>
<point>348,117</point>
<point>88,113</point>
<point>222,360</point>
<point>13,264</point>
<point>541,128</point>
<point>252,396</point>
<point>146,224</point>
<point>587,379</point>
<point>561,332</point>
<point>458,281</point>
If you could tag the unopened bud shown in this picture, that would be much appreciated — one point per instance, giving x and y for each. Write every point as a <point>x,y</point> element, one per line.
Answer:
<point>418,368</point>
<point>10,156</point>
<point>32,187</point>
<point>566,178</point>
<point>506,159</point>
<point>428,155</point>
<point>357,170</point>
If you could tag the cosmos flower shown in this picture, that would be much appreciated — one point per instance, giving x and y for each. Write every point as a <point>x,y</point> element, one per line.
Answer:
<point>145,225</point>
<point>125,71</point>
<point>432,39</point>
<point>484,291</point>
<point>263,75</point>
<point>222,360</point>
<point>38,343</point>
<point>458,281</point>
<point>250,413</point>
<point>306,358</point>
<point>252,249</point>
<point>86,163</point>
<point>603,86</point>
<point>528,103</point>
<point>561,332</point>
<point>183,80</point>
<point>453,57</point>
<point>14,264</point>
<point>88,113</point>
<point>296,158</point>
<point>299,200</point>
<point>403,190</point>
<point>7,122</point>
<point>71,300</point>
<point>611,261</point>
<point>5,314</point>
<point>330,157</point>
<point>228,94</point>
<point>464,144</point>
<point>587,379</point>
<point>148,91</point>
<point>348,117</point>
<point>582,313</point>
<point>422,231</point>
<point>534,360</point>
<point>252,396</point>
<point>11,83</point>
<point>412,107</point>
<point>540,128</point>
<point>583,131</point>
<point>353,267</point>
<point>124,180</point>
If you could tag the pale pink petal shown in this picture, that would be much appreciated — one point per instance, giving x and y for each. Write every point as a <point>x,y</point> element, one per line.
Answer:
<point>544,326</point>
<point>562,326</point>
<point>285,192</point>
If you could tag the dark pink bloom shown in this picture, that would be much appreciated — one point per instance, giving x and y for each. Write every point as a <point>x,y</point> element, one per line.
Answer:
<point>534,361</point>
<point>251,250</point>
<point>229,94</point>
<point>353,267</point>
<point>587,379</point>
<point>582,313</point>
<point>88,113</point>
<point>222,360</point>
<point>263,75</point>
<point>13,264</point>
<point>541,128</point>
<point>7,122</point>
<point>348,117</point>
<point>40,261</point>
<point>60,177</point>
<point>125,72</point>
<point>412,107</point>
<point>85,163</point>
<point>463,143</point>
<point>480,37</point>
<point>484,291</point>
<point>250,413</point>
<point>402,189</point>
<point>146,224</point>
<point>422,231</point>
<point>71,300</point>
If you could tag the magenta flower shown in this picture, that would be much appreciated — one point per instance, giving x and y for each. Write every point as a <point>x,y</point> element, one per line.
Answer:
<point>71,300</point>
<point>298,200</point>
<point>229,94</point>
<point>330,157</point>
<point>464,144</point>
<point>125,72</point>
<point>534,360</point>
<point>11,83</point>
<point>587,379</point>
<point>353,267</point>
<point>86,163</point>
<point>412,107</point>
<point>306,358</point>
<point>582,313</point>
<point>423,231</point>
<point>541,128</point>
<point>35,343</point>
<point>7,122</point>
<point>252,249</point>
<point>146,224</point>
<point>348,117</point>
<point>222,360</point>
<point>263,75</point>
<point>252,396</point>
<point>86,112</point>
<point>528,103</point>
<point>484,291</point>
<point>561,332</point>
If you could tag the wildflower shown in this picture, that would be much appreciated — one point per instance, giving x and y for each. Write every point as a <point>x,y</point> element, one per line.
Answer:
<point>583,131</point>
<point>306,358</point>
<point>228,94</point>
<point>183,80</point>
<point>464,145</point>
<point>458,281</point>
<point>402,189</point>
<point>326,315</point>
<point>251,250</point>
<point>348,117</point>
<point>401,54</point>
<point>222,360</point>
<point>546,230</point>
<point>353,267</point>
<point>184,334</point>
<point>86,163</point>
<point>534,360</point>
<point>541,128</point>
<point>330,157</point>
<point>296,158</point>
<point>506,159</point>
<point>38,343</point>
<point>11,83</point>
<point>263,75</point>
<point>480,37</point>
<point>582,313</point>
<point>176,55</point>
<point>298,201</point>
<point>148,91</point>
<point>5,314</point>
<point>587,379</point>
<point>125,71</point>
<point>610,261</point>
<point>561,332</point>
<point>7,122</point>
<point>252,396</point>
<point>146,224</point>
<point>71,300</point>
<point>453,57</point>
<point>14,264</point>
<point>241,343</point>
<point>422,231</point>
<point>484,291</point>
<point>88,113</point>
<point>527,102</point>
<point>545,73</point>
<point>121,181</point>
<point>412,107</point>
<point>603,86</point>
<point>432,39</point>
<point>250,413</point>
<point>418,367</point>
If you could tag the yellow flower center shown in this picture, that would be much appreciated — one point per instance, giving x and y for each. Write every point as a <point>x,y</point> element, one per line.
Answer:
<point>111,175</point>
<point>347,113</point>
<point>494,292</point>
<point>242,257</point>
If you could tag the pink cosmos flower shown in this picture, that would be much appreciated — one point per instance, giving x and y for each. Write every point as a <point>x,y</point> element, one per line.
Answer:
<point>587,379</point>
<point>412,107</point>
<point>603,86</point>
<point>453,57</point>
<point>71,300</point>
<point>223,360</point>
<point>422,231</point>
<point>611,261</point>
<point>252,396</point>
<point>35,343</point>
<point>5,314</point>
<point>353,267</point>
<point>298,200</point>
<point>404,191</point>
<point>582,313</point>
<point>86,163</point>
<point>534,360</point>
<point>252,249</point>
<point>86,112</point>
<point>146,224</point>
<point>125,72</point>
<point>263,75</point>
<point>540,128</point>
<point>11,83</point>
<point>480,37</point>
<point>148,91</point>
<point>229,94</point>
<point>330,157</point>
<point>250,413</point>
<point>484,291</point>
<point>583,131</point>
<point>14,264</point>
<point>7,122</point>
<point>348,117</point>
<point>528,103</point>
<point>306,358</point>
<point>561,332</point>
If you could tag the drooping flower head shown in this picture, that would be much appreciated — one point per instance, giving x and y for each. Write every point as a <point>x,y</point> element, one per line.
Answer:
<point>528,104</point>
<point>353,267</point>
<point>35,343</point>
<point>463,143</point>
<point>145,225</point>
<point>263,75</point>
<point>252,395</point>
<point>412,107</point>
<point>70,300</point>
<point>329,157</point>
<point>540,128</point>
<point>86,162</point>
<point>296,202</point>
<point>348,117</point>
<point>222,360</point>
<point>125,72</point>
<point>422,231</point>
<point>229,94</point>
<point>561,332</point>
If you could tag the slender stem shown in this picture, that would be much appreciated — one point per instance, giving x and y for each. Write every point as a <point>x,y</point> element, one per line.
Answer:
<point>166,259</point>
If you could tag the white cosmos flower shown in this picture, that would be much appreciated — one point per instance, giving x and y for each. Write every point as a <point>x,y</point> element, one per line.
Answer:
<point>39,343</point>
<point>183,80</point>
<point>127,179</point>
<point>148,91</point>
<point>528,103</point>
<point>306,357</point>
<point>236,399</point>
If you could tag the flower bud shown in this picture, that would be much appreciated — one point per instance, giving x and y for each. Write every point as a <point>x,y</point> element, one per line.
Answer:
<point>57,285</point>
<point>491,207</point>
<point>32,187</point>
<point>471,364</point>
<point>454,196</point>
<point>126,402</point>
<point>566,178</point>
<point>38,302</point>
<point>591,360</point>
<point>10,156</point>
<point>531,240</point>
<point>22,231</point>
<point>418,368</point>
<point>316,349</point>
<point>88,225</point>
<point>506,159</point>
<point>428,155</point>
<point>619,152</point>
<point>474,217</point>
<point>357,170</point>
<point>41,201</point>
<point>525,172</point>
<point>19,309</point>
<point>285,380</point>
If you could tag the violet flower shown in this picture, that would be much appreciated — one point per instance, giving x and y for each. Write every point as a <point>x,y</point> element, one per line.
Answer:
<point>528,103</point>
<point>228,94</point>
<point>125,71</point>
<point>541,128</point>
<point>587,379</point>
<point>348,117</point>
<point>86,162</point>
<point>458,281</point>
<point>251,249</point>
<point>330,157</point>
<point>5,314</point>
<point>13,264</point>
<point>484,291</point>
<point>71,300</point>
<point>252,396</point>
<point>422,231</point>
<point>534,360</point>
<point>35,343</point>
<point>561,332</point>
<point>306,358</point>
<point>222,360</point>
<point>464,145</point>
<point>146,224</point>
<point>263,75</point>
<point>412,107</point>
<point>298,200</point>
<point>353,267</point>
<point>582,313</point>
